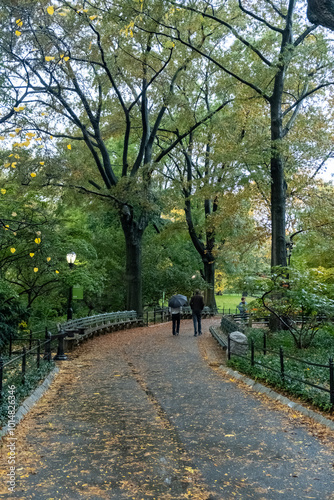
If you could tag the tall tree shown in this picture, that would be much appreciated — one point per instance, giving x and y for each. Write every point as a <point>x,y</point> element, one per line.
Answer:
<point>97,78</point>
<point>285,65</point>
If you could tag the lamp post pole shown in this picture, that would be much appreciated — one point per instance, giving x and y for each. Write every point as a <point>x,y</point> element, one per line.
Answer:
<point>70,257</point>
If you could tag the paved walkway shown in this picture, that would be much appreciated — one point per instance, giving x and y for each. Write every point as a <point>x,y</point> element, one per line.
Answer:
<point>140,414</point>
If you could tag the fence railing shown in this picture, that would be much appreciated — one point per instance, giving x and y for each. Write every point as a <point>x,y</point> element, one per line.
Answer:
<point>17,367</point>
<point>282,371</point>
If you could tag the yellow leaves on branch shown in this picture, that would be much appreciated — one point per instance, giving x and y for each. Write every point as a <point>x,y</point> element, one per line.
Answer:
<point>49,58</point>
<point>37,241</point>
<point>13,250</point>
<point>33,174</point>
<point>50,10</point>
<point>35,269</point>
<point>48,259</point>
<point>31,254</point>
<point>3,191</point>
<point>19,24</point>
<point>69,146</point>
<point>128,29</point>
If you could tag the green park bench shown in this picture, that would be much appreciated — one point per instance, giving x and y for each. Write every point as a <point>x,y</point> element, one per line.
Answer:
<point>77,330</point>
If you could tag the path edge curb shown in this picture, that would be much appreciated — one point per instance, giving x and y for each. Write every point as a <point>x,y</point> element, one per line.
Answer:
<point>31,400</point>
<point>257,387</point>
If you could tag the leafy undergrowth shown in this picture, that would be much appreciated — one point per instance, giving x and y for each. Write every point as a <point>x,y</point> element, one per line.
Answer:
<point>320,352</point>
<point>32,379</point>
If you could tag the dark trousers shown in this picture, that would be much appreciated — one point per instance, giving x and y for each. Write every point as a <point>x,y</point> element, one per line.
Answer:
<point>197,322</point>
<point>176,323</point>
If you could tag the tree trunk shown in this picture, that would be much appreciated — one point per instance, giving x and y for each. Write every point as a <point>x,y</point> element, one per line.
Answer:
<point>278,184</point>
<point>278,195</point>
<point>133,232</point>
<point>321,12</point>
<point>209,276</point>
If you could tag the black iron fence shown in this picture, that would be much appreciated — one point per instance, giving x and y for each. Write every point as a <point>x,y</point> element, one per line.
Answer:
<point>161,315</point>
<point>283,372</point>
<point>15,369</point>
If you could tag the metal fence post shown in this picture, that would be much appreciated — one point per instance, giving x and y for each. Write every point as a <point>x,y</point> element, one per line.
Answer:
<point>60,356</point>
<point>47,346</point>
<point>1,376</point>
<point>331,382</point>
<point>281,355</point>
<point>264,343</point>
<point>252,352</point>
<point>38,352</point>
<point>24,364</point>
<point>147,318</point>
<point>228,347</point>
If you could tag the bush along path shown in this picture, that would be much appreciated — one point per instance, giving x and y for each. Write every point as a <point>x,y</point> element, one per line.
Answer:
<point>141,414</point>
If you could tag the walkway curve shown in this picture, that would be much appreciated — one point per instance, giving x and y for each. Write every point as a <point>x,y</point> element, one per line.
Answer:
<point>140,414</point>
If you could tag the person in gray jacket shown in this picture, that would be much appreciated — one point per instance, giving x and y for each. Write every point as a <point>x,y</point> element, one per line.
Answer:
<point>197,305</point>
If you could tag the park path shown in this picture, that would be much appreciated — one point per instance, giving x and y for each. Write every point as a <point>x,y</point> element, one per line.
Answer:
<point>140,414</point>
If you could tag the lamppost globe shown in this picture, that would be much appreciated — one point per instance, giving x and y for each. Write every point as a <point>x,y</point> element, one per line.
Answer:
<point>70,257</point>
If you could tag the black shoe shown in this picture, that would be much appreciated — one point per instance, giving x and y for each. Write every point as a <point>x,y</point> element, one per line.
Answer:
<point>195,334</point>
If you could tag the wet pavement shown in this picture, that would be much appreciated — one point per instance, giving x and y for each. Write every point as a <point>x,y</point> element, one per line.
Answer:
<point>141,414</point>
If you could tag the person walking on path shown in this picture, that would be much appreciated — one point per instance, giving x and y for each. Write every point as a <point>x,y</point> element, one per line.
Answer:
<point>176,317</point>
<point>175,303</point>
<point>197,305</point>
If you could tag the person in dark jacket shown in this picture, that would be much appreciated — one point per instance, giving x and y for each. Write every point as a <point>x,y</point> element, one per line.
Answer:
<point>197,305</point>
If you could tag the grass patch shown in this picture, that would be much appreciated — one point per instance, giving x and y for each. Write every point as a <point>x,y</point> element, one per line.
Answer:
<point>268,365</point>
<point>230,301</point>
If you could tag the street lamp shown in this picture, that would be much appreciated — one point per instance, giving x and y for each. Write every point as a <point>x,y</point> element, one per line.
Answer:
<point>70,257</point>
